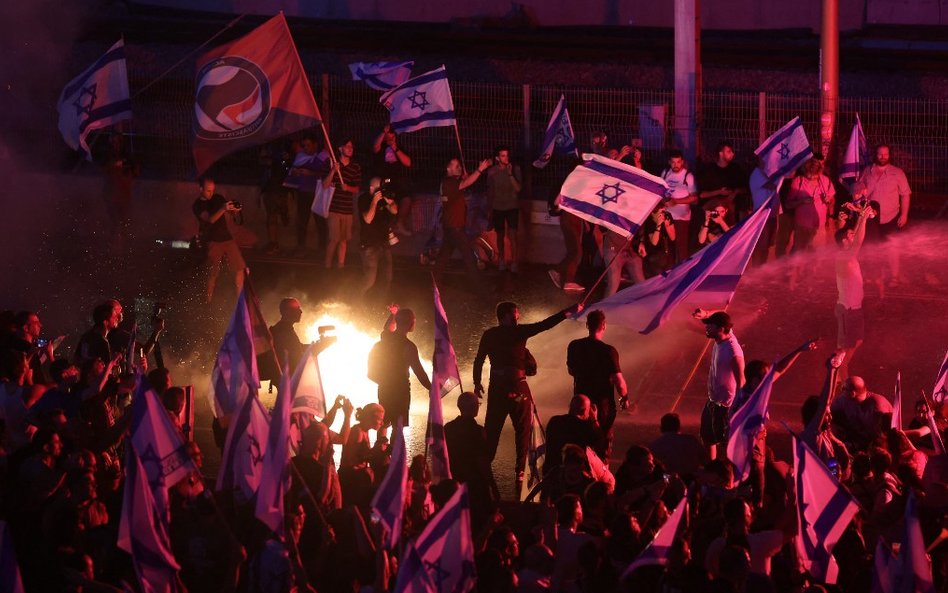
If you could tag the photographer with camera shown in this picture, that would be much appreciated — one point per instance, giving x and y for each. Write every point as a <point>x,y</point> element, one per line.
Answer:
<point>377,210</point>
<point>714,224</point>
<point>209,209</point>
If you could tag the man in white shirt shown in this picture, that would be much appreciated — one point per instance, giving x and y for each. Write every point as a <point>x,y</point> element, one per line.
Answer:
<point>725,377</point>
<point>682,193</point>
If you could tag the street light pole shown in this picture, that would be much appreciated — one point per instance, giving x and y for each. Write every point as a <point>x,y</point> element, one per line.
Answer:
<point>829,76</point>
<point>687,76</point>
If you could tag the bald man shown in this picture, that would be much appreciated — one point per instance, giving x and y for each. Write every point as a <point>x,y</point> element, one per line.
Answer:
<point>285,341</point>
<point>859,416</point>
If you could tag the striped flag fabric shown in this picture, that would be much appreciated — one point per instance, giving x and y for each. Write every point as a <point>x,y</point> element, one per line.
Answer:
<point>856,157</point>
<point>784,152</point>
<point>421,102</point>
<point>382,76</point>
<point>307,381</point>
<point>897,402</point>
<point>235,372</point>
<point>158,445</point>
<point>656,552</point>
<point>441,560</point>
<point>95,99</point>
<point>10,579</point>
<point>244,450</point>
<point>536,454</point>
<point>612,194</point>
<point>940,391</point>
<point>824,510</point>
<point>884,567</point>
<point>388,504</point>
<point>708,278</point>
<point>914,572</point>
<point>434,437</point>
<point>274,474</point>
<point>249,92</point>
<point>444,360</point>
<point>559,137</point>
<point>144,531</point>
<point>746,423</point>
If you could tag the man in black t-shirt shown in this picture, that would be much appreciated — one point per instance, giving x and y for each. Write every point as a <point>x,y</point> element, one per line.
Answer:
<point>209,209</point>
<point>594,366</point>
<point>725,180</point>
<point>397,356</point>
<point>376,215</point>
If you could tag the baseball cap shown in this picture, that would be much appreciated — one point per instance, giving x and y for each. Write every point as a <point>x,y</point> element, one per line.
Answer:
<point>720,319</point>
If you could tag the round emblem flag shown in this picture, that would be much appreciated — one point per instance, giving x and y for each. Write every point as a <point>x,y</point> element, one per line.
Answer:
<point>232,99</point>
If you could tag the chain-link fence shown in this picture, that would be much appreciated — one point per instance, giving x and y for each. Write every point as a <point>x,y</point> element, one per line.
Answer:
<point>491,115</point>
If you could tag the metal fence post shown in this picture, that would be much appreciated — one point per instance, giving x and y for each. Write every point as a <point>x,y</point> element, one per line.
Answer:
<point>761,118</point>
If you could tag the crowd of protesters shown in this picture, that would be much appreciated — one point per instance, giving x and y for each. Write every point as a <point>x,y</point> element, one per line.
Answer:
<point>65,418</point>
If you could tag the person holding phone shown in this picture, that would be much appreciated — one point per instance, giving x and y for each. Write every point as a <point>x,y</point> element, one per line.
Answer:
<point>503,192</point>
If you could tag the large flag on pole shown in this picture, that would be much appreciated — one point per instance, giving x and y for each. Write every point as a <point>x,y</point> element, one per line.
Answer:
<point>441,560</point>
<point>144,531</point>
<point>559,137</point>
<point>382,76</point>
<point>746,423</point>
<point>95,99</point>
<point>307,382</point>
<point>445,361</point>
<point>940,391</point>
<point>235,372</point>
<point>249,92</point>
<point>274,475</point>
<point>897,402</point>
<point>824,510</point>
<point>388,504</point>
<point>421,102</point>
<point>856,157</point>
<point>244,450</point>
<point>10,580</point>
<point>656,552</point>
<point>612,194</point>
<point>158,445</point>
<point>434,438</point>
<point>785,150</point>
<point>707,278</point>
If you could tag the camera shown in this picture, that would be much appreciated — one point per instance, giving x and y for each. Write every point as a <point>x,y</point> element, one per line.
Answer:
<point>237,205</point>
<point>387,189</point>
<point>715,214</point>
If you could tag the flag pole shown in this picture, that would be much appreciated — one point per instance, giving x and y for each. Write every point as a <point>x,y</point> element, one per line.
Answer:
<point>457,135</point>
<point>188,56</point>
<point>606,271</point>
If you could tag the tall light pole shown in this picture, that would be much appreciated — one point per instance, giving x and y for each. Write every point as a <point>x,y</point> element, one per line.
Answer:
<point>829,76</point>
<point>687,76</point>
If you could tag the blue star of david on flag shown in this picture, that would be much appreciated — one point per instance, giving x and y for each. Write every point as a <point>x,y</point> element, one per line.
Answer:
<point>438,574</point>
<point>86,100</point>
<point>783,151</point>
<point>419,100</point>
<point>610,193</point>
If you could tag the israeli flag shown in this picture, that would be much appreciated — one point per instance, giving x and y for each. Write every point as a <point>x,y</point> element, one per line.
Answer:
<point>388,504</point>
<point>940,391</point>
<point>656,552</point>
<point>784,152</point>
<point>612,194</point>
<point>422,102</point>
<point>746,423</point>
<point>95,99</point>
<point>824,510</point>
<point>708,279</point>
<point>856,157</point>
<point>381,76</point>
<point>559,136</point>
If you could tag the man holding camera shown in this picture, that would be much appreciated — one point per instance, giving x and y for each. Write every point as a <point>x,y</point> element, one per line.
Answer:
<point>377,210</point>
<point>209,209</point>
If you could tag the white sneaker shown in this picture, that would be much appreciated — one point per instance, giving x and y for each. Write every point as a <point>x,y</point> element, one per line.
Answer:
<point>573,287</point>
<point>555,277</point>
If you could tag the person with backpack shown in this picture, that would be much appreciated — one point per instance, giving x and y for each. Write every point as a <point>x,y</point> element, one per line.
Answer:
<point>389,362</point>
<point>682,195</point>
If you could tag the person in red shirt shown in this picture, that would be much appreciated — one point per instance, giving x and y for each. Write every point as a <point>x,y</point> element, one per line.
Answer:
<point>454,214</point>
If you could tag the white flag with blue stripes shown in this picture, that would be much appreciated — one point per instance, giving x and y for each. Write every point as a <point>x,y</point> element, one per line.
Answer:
<point>784,152</point>
<point>940,391</point>
<point>856,157</point>
<point>707,279</point>
<point>612,194</point>
<point>559,136</point>
<point>824,510</point>
<point>95,99</point>
<point>388,504</point>
<point>382,76</point>
<point>656,552</point>
<point>746,423</point>
<point>422,102</point>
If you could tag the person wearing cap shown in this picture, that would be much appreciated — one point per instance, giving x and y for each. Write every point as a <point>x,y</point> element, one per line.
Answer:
<point>725,378</point>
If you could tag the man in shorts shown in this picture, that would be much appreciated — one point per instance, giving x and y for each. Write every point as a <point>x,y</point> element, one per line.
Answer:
<point>725,378</point>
